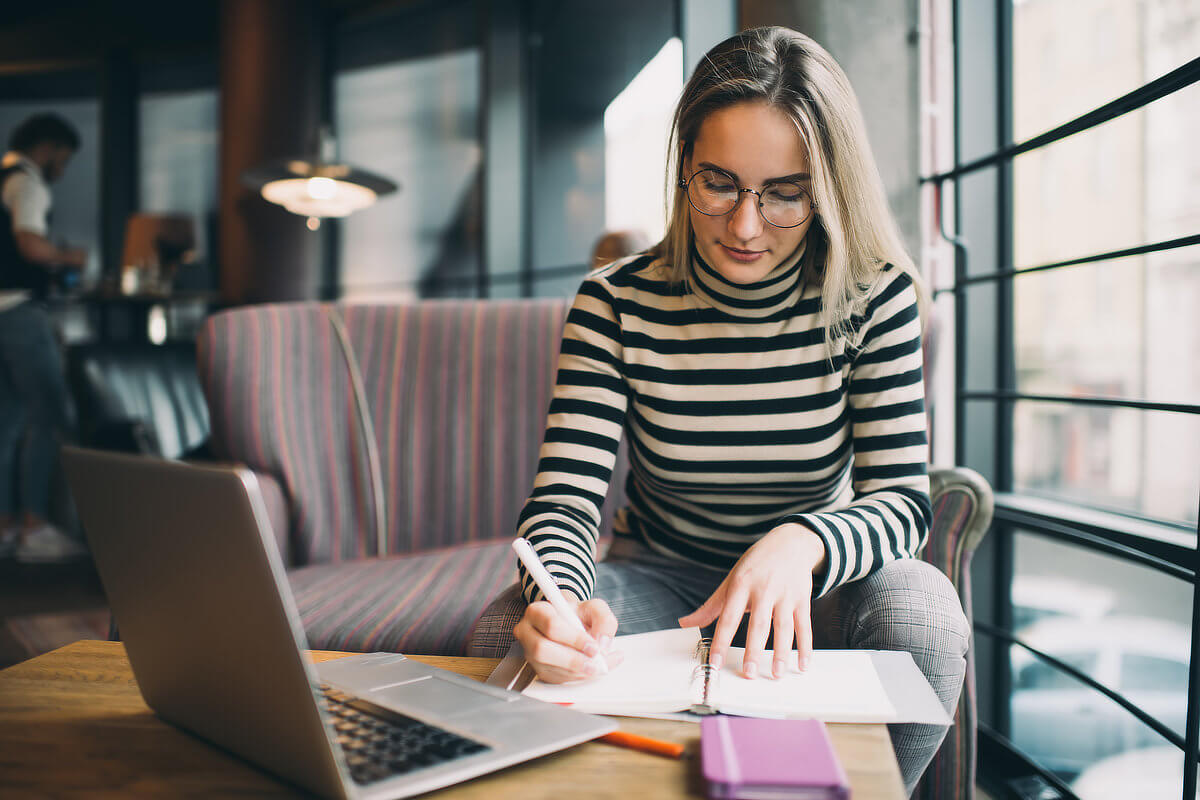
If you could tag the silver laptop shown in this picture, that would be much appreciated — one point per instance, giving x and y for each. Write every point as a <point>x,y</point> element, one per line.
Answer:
<point>192,574</point>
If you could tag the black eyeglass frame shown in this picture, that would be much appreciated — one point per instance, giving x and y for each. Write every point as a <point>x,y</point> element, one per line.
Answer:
<point>685,185</point>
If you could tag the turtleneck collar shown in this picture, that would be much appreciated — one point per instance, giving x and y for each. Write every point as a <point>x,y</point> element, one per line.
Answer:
<point>780,288</point>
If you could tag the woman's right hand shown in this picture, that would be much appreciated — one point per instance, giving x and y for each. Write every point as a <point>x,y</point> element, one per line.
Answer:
<point>560,652</point>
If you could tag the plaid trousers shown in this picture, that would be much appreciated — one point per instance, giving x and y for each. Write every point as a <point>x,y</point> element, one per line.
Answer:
<point>905,605</point>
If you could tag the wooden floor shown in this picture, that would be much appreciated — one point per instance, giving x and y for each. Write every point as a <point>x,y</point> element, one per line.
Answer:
<point>27,589</point>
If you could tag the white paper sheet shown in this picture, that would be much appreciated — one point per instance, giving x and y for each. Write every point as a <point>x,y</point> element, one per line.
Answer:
<point>655,679</point>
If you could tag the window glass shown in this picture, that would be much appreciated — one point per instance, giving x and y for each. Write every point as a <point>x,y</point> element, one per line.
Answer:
<point>1041,675</point>
<point>178,169</point>
<point>1154,772</point>
<point>1154,673</point>
<point>598,138</point>
<point>1120,328</point>
<point>1066,63</point>
<point>1124,625</point>
<point>1120,459</point>
<point>637,125</point>
<point>1120,184</point>
<point>416,122</point>
<point>1123,328</point>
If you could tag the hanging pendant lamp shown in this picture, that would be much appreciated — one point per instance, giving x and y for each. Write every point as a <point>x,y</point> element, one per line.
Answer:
<point>318,187</point>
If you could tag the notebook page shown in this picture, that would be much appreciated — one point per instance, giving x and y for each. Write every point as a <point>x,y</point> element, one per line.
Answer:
<point>838,686</point>
<point>655,676</point>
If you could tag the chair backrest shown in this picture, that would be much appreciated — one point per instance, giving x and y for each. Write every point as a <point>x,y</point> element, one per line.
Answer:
<point>962,513</point>
<point>138,396</point>
<point>453,396</point>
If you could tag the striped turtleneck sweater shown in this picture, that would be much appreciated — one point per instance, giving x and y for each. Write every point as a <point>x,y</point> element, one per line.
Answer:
<point>737,419</point>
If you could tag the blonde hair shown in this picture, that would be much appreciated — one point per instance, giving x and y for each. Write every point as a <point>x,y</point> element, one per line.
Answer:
<point>854,233</point>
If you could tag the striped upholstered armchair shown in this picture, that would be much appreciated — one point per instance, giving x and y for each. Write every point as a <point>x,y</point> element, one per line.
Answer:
<point>396,444</point>
<point>962,514</point>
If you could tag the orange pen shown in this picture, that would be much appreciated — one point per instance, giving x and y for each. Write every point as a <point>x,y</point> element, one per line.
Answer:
<point>643,743</point>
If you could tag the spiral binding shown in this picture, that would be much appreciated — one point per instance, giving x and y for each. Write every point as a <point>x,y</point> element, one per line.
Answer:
<point>706,675</point>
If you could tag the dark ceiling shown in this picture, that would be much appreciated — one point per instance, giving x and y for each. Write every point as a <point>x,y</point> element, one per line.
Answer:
<point>582,52</point>
<point>69,32</point>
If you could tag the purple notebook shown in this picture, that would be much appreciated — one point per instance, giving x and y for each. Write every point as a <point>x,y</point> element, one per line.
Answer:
<point>770,759</point>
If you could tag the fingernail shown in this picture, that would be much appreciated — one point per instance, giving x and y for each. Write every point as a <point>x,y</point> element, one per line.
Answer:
<point>605,643</point>
<point>715,660</point>
<point>804,663</point>
<point>751,670</point>
<point>599,667</point>
<point>590,649</point>
<point>778,668</point>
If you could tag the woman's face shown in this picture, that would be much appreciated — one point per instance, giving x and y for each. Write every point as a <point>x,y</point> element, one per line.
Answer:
<point>756,145</point>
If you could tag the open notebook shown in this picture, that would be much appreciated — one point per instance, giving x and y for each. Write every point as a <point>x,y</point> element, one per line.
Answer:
<point>667,671</point>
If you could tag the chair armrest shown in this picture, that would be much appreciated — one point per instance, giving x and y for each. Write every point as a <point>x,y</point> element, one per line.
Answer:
<point>963,504</point>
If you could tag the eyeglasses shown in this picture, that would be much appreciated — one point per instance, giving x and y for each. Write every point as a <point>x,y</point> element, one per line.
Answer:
<point>715,193</point>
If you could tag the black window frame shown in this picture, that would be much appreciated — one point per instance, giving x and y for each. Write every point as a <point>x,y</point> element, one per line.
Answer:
<point>983,258</point>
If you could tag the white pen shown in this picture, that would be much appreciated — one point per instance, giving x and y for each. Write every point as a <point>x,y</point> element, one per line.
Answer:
<point>552,593</point>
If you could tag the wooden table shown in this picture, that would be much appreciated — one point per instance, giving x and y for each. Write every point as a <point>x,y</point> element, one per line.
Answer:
<point>72,723</point>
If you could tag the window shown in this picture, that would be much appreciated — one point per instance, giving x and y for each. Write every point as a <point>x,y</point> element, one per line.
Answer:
<point>516,142</point>
<point>417,122</point>
<point>584,113</point>
<point>1040,676</point>
<point>1124,625</point>
<point>1067,262</point>
<point>407,104</point>
<point>637,125</point>
<point>178,142</point>
<point>1155,674</point>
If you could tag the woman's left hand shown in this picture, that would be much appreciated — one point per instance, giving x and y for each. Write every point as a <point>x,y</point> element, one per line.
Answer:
<point>772,581</point>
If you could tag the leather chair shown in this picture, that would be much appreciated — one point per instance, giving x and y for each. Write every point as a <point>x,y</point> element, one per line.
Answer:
<point>138,397</point>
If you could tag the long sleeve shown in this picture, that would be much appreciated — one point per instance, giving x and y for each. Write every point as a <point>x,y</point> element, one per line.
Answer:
<point>583,429</point>
<point>890,514</point>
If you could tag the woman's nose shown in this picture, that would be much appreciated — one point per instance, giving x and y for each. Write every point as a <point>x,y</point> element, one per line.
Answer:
<point>745,222</point>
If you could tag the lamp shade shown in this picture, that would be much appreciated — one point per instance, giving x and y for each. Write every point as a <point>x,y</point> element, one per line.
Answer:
<point>315,188</point>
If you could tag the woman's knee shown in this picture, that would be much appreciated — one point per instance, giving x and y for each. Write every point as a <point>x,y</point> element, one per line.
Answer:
<point>492,634</point>
<point>909,605</point>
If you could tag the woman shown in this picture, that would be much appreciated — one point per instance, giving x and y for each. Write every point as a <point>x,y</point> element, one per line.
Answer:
<point>764,361</point>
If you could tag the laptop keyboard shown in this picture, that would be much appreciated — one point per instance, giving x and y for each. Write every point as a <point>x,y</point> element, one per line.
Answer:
<point>379,743</point>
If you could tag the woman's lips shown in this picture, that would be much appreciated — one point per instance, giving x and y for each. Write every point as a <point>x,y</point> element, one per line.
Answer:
<point>744,256</point>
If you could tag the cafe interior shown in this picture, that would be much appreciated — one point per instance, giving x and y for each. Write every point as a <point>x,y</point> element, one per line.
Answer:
<point>335,240</point>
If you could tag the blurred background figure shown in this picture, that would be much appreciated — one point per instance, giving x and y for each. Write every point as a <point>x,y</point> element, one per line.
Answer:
<point>618,244</point>
<point>33,393</point>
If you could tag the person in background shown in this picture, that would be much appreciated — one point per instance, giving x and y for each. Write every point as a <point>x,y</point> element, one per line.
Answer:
<point>33,393</point>
<point>764,363</point>
<point>618,244</point>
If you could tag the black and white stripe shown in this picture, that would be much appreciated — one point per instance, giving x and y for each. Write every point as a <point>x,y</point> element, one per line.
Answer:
<point>737,421</point>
